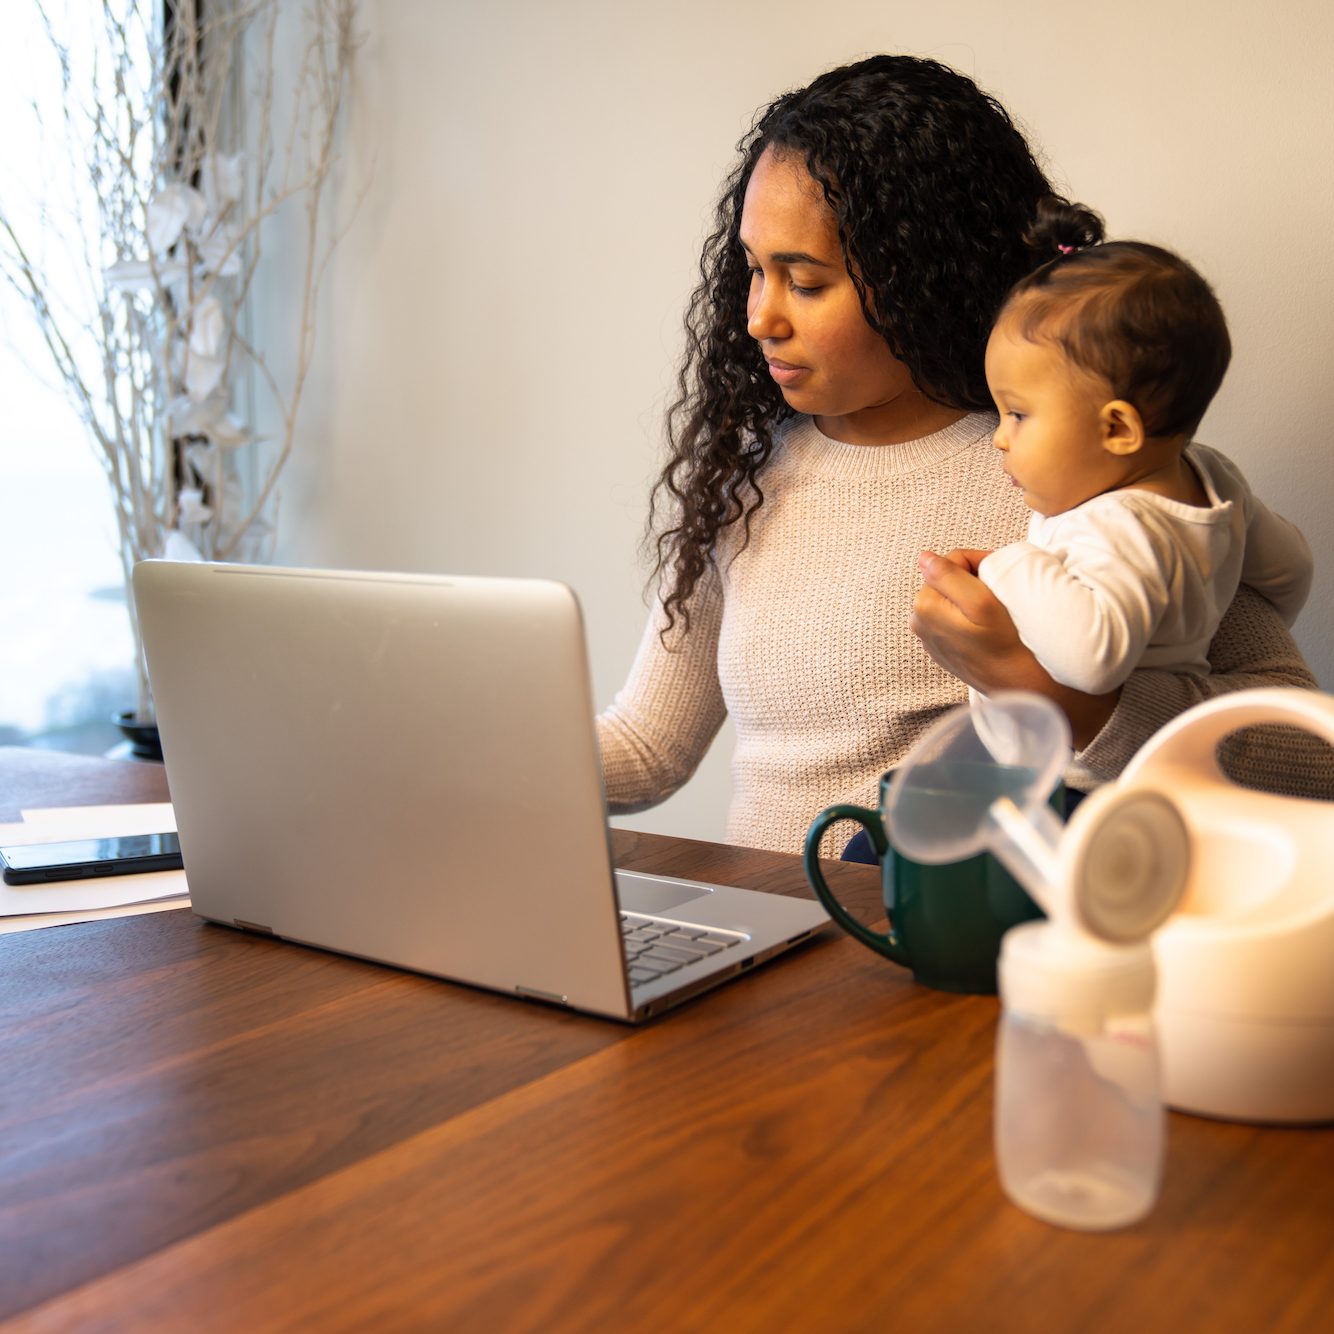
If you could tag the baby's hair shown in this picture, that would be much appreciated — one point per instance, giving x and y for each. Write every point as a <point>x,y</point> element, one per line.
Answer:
<point>1134,314</point>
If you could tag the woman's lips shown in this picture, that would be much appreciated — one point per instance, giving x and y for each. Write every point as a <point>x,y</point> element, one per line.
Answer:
<point>785,373</point>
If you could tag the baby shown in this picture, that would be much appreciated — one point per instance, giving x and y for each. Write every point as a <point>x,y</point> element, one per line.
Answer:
<point>1102,363</point>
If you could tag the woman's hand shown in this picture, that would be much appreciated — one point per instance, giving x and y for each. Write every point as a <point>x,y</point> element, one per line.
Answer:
<point>967,630</point>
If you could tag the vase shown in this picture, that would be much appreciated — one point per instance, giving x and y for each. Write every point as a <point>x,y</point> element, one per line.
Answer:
<point>145,743</point>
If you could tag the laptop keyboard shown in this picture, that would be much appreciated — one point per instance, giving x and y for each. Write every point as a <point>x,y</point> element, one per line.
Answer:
<point>655,947</point>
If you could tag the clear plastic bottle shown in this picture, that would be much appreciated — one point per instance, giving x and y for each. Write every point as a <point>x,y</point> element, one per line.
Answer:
<point>1080,1126</point>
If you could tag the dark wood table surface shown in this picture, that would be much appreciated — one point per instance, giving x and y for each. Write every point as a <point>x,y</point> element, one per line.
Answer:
<point>201,1130</point>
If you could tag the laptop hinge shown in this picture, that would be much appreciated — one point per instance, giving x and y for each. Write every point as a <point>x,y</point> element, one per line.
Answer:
<point>533,994</point>
<point>253,926</point>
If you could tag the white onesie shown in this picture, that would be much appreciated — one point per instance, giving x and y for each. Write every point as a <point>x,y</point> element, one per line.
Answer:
<point>1131,579</point>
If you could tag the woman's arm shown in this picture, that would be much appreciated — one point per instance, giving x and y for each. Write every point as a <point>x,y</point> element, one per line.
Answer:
<point>967,631</point>
<point>662,722</point>
<point>1251,648</point>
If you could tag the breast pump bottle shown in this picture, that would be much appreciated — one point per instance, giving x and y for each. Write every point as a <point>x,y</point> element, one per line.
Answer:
<point>1079,1118</point>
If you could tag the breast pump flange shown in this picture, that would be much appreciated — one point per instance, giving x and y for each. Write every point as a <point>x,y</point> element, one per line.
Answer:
<point>978,781</point>
<point>1079,1122</point>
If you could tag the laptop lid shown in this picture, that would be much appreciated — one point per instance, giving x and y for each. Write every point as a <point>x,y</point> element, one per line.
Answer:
<point>404,768</point>
<point>397,767</point>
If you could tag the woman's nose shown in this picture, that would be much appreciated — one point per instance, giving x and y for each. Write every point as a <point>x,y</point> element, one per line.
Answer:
<point>765,317</point>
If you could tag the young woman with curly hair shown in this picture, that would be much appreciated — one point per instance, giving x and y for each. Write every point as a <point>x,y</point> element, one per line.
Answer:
<point>834,429</point>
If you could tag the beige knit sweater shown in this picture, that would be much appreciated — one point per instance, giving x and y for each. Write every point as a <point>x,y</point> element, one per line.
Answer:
<point>803,638</point>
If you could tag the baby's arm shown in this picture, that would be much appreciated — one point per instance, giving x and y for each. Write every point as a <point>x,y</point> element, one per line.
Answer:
<point>1278,562</point>
<point>1088,607</point>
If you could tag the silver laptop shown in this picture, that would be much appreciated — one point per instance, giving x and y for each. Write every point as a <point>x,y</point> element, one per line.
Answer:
<point>404,768</point>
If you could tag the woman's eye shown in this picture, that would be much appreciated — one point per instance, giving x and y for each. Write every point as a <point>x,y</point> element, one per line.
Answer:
<point>804,291</point>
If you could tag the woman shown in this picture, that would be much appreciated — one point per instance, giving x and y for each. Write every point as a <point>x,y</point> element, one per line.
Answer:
<point>833,428</point>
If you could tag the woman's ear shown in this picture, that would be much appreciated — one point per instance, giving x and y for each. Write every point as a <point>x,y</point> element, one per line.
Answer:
<point>1122,427</point>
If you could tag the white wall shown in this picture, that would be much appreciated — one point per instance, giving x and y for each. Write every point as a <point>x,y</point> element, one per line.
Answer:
<point>500,334</point>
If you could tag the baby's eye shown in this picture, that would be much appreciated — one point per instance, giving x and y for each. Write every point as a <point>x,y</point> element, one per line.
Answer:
<point>1016,416</point>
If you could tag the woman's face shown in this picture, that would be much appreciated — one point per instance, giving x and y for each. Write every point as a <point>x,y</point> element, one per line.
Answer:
<point>804,312</point>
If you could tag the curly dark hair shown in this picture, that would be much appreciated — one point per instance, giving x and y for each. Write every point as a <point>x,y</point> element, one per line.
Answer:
<point>933,188</point>
<point>1134,314</point>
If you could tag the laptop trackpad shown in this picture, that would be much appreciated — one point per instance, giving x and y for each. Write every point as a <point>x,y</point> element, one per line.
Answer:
<point>653,894</point>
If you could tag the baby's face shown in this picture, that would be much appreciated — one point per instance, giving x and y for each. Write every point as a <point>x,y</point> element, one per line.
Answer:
<point>1050,432</point>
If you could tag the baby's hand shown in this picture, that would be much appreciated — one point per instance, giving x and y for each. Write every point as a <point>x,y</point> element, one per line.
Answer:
<point>959,620</point>
<point>966,558</point>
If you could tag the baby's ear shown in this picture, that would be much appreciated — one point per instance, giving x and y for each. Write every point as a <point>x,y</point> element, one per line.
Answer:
<point>1122,427</point>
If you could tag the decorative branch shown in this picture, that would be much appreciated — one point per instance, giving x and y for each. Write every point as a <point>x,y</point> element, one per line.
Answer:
<point>154,357</point>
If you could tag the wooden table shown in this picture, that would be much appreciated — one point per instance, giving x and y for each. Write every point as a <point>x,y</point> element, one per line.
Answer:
<point>201,1130</point>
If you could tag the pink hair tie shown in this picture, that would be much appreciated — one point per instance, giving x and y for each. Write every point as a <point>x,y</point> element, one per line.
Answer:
<point>1066,249</point>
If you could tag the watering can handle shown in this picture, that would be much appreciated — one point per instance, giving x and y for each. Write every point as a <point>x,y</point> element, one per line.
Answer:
<point>1191,740</point>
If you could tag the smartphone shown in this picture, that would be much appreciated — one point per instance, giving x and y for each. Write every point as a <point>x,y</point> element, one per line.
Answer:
<point>127,854</point>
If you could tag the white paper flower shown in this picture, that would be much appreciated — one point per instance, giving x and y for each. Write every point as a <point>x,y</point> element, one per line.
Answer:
<point>206,358</point>
<point>203,374</point>
<point>218,253</point>
<point>175,208</point>
<point>186,417</point>
<point>229,432</point>
<point>208,327</point>
<point>221,180</point>
<point>176,546</point>
<point>180,293</point>
<point>138,275</point>
<point>202,457</point>
<point>209,418</point>
<point>191,506</point>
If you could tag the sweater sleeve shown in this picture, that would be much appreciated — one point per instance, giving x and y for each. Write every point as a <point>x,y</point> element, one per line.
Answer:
<point>661,724</point>
<point>1278,560</point>
<point>1089,608</point>
<point>1252,648</point>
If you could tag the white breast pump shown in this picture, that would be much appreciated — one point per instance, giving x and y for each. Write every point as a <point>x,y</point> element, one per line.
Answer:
<point>1113,873</point>
<point>1079,1113</point>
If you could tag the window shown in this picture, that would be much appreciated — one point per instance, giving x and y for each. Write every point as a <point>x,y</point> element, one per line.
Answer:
<point>66,655</point>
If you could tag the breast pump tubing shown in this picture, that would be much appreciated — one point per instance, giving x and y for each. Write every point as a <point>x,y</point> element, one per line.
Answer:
<point>1028,848</point>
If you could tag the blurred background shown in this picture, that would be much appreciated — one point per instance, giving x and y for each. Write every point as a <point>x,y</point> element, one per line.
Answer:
<point>500,332</point>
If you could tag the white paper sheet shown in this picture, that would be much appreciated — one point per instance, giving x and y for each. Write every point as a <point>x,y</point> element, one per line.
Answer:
<point>9,925</point>
<point>82,900</point>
